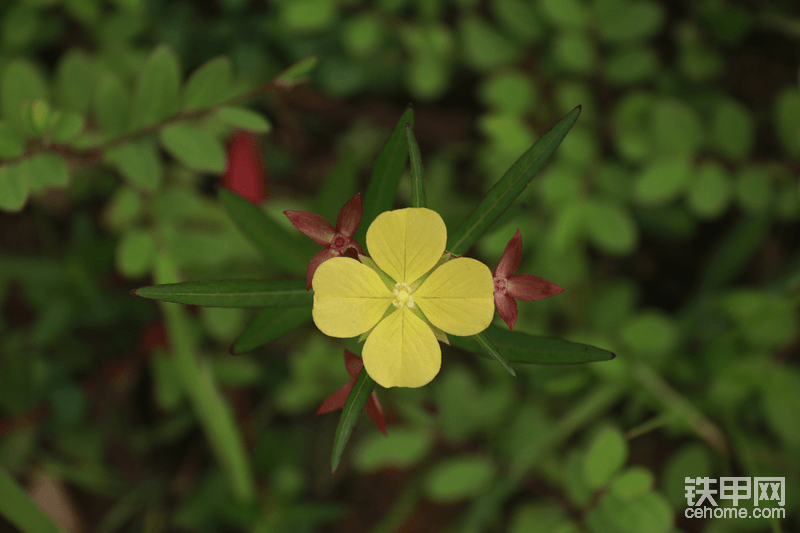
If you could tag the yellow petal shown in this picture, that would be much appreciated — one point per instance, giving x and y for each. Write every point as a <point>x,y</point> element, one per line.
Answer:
<point>349,298</point>
<point>458,297</point>
<point>406,243</point>
<point>402,352</point>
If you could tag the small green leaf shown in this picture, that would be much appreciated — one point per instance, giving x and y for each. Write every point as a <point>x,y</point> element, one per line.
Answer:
<point>606,454</point>
<point>13,188</point>
<point>676,128</point>
<point>632,483</point>
<point>268,325</point>
<point>610,227</point>
<point>157,87</point>
<point>209,85</point>
<point>276,244</point>
<point>630,21</point>
<point>67,126</point>
<point>401,448</point>
<point>732,128</point>
<point>139,163</point>
<point>512,93</point>
<point>484,46</point>
<point>75,81</point>
<point>244,118</point>
<point>386,174</point>
<point>523,348</point>
<point>46,170</point>
<point>736,250</point>
<point>710,191</point>
<point>649,513</point>
<point>356,402</point>
<point>195,148</point>
<point>17,508</point>
<point>566,13</point>
<point>458,478</point>
<point>662,180</point>
<point>787,120</point>
<point>21,81</point>
<point>12,143</point>
<point>112,105</point>
<point>417,174</point>
<point>123,209</point>
<point>232,293</point>
<point>651,333</point>
<point>511,185</point>
<point>631,65</point>
<point>135,253</point>
<point>753,187</point>
<point>490,347</point>
<point>298,72</point>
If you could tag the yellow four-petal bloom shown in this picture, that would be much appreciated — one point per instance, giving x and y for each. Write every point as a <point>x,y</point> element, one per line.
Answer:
<point>350,298</point>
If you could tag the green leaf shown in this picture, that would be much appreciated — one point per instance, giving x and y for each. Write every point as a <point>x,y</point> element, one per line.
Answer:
<point>112,105</point>
<point>67,126</point>
<point>484,46</point>
<point>676,127</point>
<point>417,174</point>
<point>736,250</point>
<point>606,454</point>
<point>575,51</point>
<point>651,333</point>
<point>46,170</point>
<point>649,513</point>
<point>782,405</point>
<point>732,128</point>
<point>75,81</point>
<point>356,402</point>
<point>753,187</point>
<point>662,180</point>
<point>232,293</point>
<point>244,118</point>
<point>386,175</point>
<point>630,21</point>
<point>269,324</point>
<point>631,65</point>
<point>710,191</point>
<point>21,81</point>
<point>511,185</point>
<point>523,348</point>
<point>17,508</point>
<point>458,478</point>
<point>490,347</point>
<point>567,13</point>
<point>402,448</point>
<point>340,186</point>
<point>632,483</point>
<point>610,227</point>
<point>512,93</point>
<point>272,240</point>
<point>14,188</point>
<point>298,72</point>
<point>12,142</point>
<point>195,148</point>
<point>209,85</point>
<point>157,87</point>
<point>787,120</point>
<point>123,209</point>
<point>139,163</point>
<point>135,253</point>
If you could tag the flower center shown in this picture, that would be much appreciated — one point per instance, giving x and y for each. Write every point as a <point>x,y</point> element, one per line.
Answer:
<point>402,296</point>
<point>339,242</point>
<point>500,285</point>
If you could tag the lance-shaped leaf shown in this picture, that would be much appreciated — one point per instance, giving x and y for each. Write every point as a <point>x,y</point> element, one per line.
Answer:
<point>209,85</point>
<point>274,242</point>
<point>17,508</point>
<point>511,185</point>
<point>269,324</point>
<point>157,87</point>
<point>418,198</point>
<point>356,402</point>
<point>232,293</point>
<point>491,348</point>
<point>386,174</point>
<point>523,348</point>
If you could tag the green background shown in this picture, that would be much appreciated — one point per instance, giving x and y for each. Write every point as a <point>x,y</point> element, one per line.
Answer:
<point>669,214</point>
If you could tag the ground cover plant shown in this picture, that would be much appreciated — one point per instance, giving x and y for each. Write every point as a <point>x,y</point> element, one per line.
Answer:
<point>154,146</point>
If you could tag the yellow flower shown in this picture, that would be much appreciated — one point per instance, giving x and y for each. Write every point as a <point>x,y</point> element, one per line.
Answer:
<point>350,298</point>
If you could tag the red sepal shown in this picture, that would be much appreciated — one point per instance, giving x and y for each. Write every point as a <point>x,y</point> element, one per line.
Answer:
<point>319,258</point>
<point>509,261</point>
<point>506,308</point>
<point>353,363</point>
<point>336,400</point>
<point>313,225</point>
<point>527,287</point>
<point>350,216</point>
<point>376,413</point>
